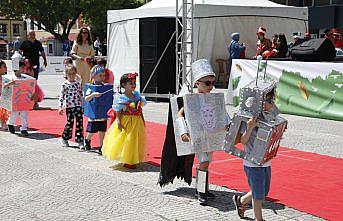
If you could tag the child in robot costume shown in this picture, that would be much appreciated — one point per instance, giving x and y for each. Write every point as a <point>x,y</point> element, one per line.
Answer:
<point>204,80</point>
<point>259,177</point>
<point>95,125</point>
<point>18,75</point>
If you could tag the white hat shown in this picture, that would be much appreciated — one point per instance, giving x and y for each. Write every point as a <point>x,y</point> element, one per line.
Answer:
<point>261,30</point>
<point>201,68</point>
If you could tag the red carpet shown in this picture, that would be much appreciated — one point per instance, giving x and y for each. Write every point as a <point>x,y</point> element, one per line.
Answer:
<point>305,181</point>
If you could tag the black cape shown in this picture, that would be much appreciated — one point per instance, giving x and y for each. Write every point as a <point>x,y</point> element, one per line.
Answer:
<point>172,165</point>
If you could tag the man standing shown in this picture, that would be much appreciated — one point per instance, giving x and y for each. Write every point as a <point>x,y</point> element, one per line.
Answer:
<point>32,49</point>
<point>96,46</point>
<point>16,43</point>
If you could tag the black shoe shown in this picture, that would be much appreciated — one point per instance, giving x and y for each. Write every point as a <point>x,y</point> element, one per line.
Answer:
<point>11,129</point>
<point>100,151</point>
<point>202,199</point>
<point>209,194</point>
<point>24,133</point>
<point>87,144</point>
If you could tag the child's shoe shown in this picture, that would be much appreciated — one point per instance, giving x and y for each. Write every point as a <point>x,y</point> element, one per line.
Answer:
<point>64,143</point>
<point>81,145</point>
<point>24,133</point>
<point>11,129</point>
<point>88,144</point>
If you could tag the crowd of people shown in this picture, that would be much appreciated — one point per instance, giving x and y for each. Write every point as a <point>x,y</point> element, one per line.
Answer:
<point>278,46</point>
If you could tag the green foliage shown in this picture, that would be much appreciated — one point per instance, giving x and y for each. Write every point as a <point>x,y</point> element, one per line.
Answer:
<point>50,13</point>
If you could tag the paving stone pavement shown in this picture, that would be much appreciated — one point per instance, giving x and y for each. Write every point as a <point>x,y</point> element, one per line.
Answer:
<point>40,180</point>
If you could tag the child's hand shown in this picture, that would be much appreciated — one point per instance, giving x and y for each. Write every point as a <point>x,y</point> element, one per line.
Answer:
<point>252,122</point>
<point>9,84</point>
<point>120,127</point>
<point>185,137</point>
<point>60,111</point>
<point>97,94</point>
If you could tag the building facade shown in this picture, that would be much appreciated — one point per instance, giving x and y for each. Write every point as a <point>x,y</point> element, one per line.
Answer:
<point>323,14</point>
<point>11,28</point>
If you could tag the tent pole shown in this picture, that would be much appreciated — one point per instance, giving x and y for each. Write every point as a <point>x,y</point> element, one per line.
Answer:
<point>184,44</point>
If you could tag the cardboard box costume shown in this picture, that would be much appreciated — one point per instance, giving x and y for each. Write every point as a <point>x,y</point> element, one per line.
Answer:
<point>270,127</point>
<point>18,97</point>
<point>97,108</point>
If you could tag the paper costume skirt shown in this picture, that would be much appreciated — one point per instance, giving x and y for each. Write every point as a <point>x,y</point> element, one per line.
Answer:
<point>129,145</point>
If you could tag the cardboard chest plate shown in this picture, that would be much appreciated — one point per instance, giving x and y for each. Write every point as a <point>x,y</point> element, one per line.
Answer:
<point>18,96</point>
<point>97,107</point>
<point>206,119</point>
<point>265,145</point>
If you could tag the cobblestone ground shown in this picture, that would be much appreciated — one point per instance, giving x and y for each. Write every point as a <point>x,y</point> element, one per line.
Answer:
<point>42,181</point>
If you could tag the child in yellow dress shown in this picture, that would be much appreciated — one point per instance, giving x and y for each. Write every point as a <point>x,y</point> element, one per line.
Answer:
<point>125,140</point>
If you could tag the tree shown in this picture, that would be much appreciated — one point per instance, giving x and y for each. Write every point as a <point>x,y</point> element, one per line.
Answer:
<point>50,13</point>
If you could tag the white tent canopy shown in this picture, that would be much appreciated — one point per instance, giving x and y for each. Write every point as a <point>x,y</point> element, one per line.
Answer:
<point>214,21</point>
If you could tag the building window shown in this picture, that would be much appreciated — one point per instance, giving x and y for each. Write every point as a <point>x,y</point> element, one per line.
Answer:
<point>39,26</point>
<point>3,28</point>
<point>16,29</point>
<point>321,2</point>
<point>337,2</point>
<point>283,2</point>
<point>308,2</point>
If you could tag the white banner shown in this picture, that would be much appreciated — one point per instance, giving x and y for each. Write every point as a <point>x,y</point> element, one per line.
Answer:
<point>304,88</point>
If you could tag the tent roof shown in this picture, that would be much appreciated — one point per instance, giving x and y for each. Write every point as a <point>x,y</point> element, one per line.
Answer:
<point>210,8</point>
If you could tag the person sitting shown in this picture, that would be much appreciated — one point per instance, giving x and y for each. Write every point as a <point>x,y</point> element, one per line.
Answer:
<point>263,43</point>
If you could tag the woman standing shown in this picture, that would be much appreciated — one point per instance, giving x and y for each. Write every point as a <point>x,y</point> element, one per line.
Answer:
<point>83,48</point>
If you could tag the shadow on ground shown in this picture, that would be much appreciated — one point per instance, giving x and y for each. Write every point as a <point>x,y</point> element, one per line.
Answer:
<point>222,201</point>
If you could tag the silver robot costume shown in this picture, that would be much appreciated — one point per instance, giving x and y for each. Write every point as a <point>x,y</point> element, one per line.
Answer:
<point>270,126</point>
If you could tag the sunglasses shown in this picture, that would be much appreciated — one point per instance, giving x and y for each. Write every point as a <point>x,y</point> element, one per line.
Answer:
<point>208,83</point>
<point>84,32</point>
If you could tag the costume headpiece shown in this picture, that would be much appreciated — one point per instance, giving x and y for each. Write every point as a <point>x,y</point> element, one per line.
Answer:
<point>97,69</point>
<point>261,30</point>
<point>201,68</point>
<point>132,75</point>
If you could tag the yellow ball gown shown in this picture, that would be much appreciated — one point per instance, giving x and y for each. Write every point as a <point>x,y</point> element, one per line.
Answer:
<point>127,146</point>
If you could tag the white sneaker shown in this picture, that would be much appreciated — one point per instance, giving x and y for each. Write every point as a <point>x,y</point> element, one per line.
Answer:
<point>81,145</point>
<point>64,143</point>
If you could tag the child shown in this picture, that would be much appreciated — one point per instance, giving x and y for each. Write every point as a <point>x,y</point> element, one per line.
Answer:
<point>38,95</point>
<point>14,114</point>
<point>125,140</point>
<point>109,77</point>
<point>3,111</point>
<point>95,125</point>
<point>258,176</point>
<point>71,95</point>
<point>204,82</point>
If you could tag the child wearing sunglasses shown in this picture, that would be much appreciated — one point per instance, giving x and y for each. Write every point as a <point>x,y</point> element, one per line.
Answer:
<point>204,81</point>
